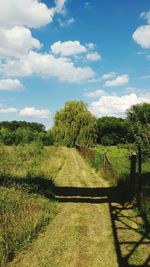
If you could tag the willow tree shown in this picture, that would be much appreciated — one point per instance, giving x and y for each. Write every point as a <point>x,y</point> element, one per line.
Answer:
<point>74,124</point>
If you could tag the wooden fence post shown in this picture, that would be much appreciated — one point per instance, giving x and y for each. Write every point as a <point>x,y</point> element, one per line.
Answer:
<point>139,189</point>
<point>133,171</point>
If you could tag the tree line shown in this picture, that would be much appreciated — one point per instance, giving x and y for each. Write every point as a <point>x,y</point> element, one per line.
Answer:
<point>22,132</point>
<point>74,124</point>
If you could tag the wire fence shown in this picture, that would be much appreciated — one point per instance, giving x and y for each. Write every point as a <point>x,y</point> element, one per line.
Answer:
<point>130,171</point>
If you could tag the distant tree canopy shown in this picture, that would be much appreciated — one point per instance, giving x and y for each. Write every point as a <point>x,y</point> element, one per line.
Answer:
<point>112,131</point>
<point>14,125</point>
<point>22,132</point>
<point>74,124</point>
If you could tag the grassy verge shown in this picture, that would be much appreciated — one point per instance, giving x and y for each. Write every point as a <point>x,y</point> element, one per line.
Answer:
<point>26,200</point>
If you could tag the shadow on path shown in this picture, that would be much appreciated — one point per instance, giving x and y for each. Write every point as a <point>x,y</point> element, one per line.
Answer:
<point>117,208</point>
<point>121,222</point>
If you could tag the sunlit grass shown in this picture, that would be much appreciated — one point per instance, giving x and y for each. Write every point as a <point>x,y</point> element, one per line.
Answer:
<point>26,200</point>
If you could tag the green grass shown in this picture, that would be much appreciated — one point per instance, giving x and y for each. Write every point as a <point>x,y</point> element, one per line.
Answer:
<point>118,172</point>
<point>26,199</point>
<point>119,167</point>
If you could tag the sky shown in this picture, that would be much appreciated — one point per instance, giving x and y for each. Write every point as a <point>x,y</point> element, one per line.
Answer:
<point>53,51</point>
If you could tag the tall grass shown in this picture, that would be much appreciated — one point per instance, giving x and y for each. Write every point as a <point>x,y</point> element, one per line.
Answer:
<point>26,200</point>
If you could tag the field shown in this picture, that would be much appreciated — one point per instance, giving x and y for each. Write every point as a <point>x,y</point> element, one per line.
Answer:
<point>56,212</point>
<point>26,201</point>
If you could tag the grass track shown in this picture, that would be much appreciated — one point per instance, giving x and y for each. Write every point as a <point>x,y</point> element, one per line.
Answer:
<point>81,234</point>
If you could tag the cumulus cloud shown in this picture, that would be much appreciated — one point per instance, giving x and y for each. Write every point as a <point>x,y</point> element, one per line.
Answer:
<point>142,36</point>
<point>47,66</point>
<point>90,46</point>
<point>60,6</point>
<point>68,48</point>
<point>17,41</point>
<point>33,112</point>
<point>108,75</point>
<point>10,85</point>
<point>8,110</point>
<point>93,56</point>
<point>30,13</point>
<point>118,81</point>
<point>115,105</point>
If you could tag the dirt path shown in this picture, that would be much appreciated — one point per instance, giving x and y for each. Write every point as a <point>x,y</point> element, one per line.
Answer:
<point>81,233</point>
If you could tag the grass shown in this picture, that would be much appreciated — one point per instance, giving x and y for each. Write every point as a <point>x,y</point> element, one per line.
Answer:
<point>83,233</point>
<point>26,199</point>
<point>118,157</point>
<point>118,173</point>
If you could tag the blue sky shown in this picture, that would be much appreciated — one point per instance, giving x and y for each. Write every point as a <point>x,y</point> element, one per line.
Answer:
<point>55,51</point>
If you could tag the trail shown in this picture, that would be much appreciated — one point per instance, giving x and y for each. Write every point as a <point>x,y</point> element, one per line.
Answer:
<point>81,234</point>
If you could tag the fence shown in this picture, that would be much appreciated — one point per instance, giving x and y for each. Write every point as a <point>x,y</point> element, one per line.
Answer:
<point>128,170</point>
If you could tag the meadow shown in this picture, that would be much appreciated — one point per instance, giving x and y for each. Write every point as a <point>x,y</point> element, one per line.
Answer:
<point>26,200</point>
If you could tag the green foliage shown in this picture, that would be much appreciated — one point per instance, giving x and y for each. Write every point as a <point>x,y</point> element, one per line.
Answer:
<point>14,125</point>
<point>139,115</point>
<point>14,133</point>
<point>118,157</point>
<point>112,131</point>
<point>26,202</point>
<point>74,124</point>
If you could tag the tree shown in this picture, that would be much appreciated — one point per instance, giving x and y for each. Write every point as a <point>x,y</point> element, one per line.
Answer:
<point>112,131</point>
<point>74,124</point>
<point>139,115</point>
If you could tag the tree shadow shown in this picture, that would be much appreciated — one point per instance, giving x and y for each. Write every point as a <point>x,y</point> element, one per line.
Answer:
<point>113,196</point>
<point>31,184</point>
<point>118,207</point>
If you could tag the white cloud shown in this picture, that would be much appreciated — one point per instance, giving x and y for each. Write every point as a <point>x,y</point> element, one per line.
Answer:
<point>10,85</point>
<point>66,22</point>
<point>96,93</point>
<point>146,15</point>
<point>33,112</point>
<point>118,81</point>
<point>17,41</point>
<point>90,46</point>
<point>68,48</point>
<point>142,36</point>
<point>93,56</point>
<point>47,66</point>
<point>108,75</point>
<point>115,105</point>
<point>29,13</point>
<point>60,6</point>
<point>8,110</point>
